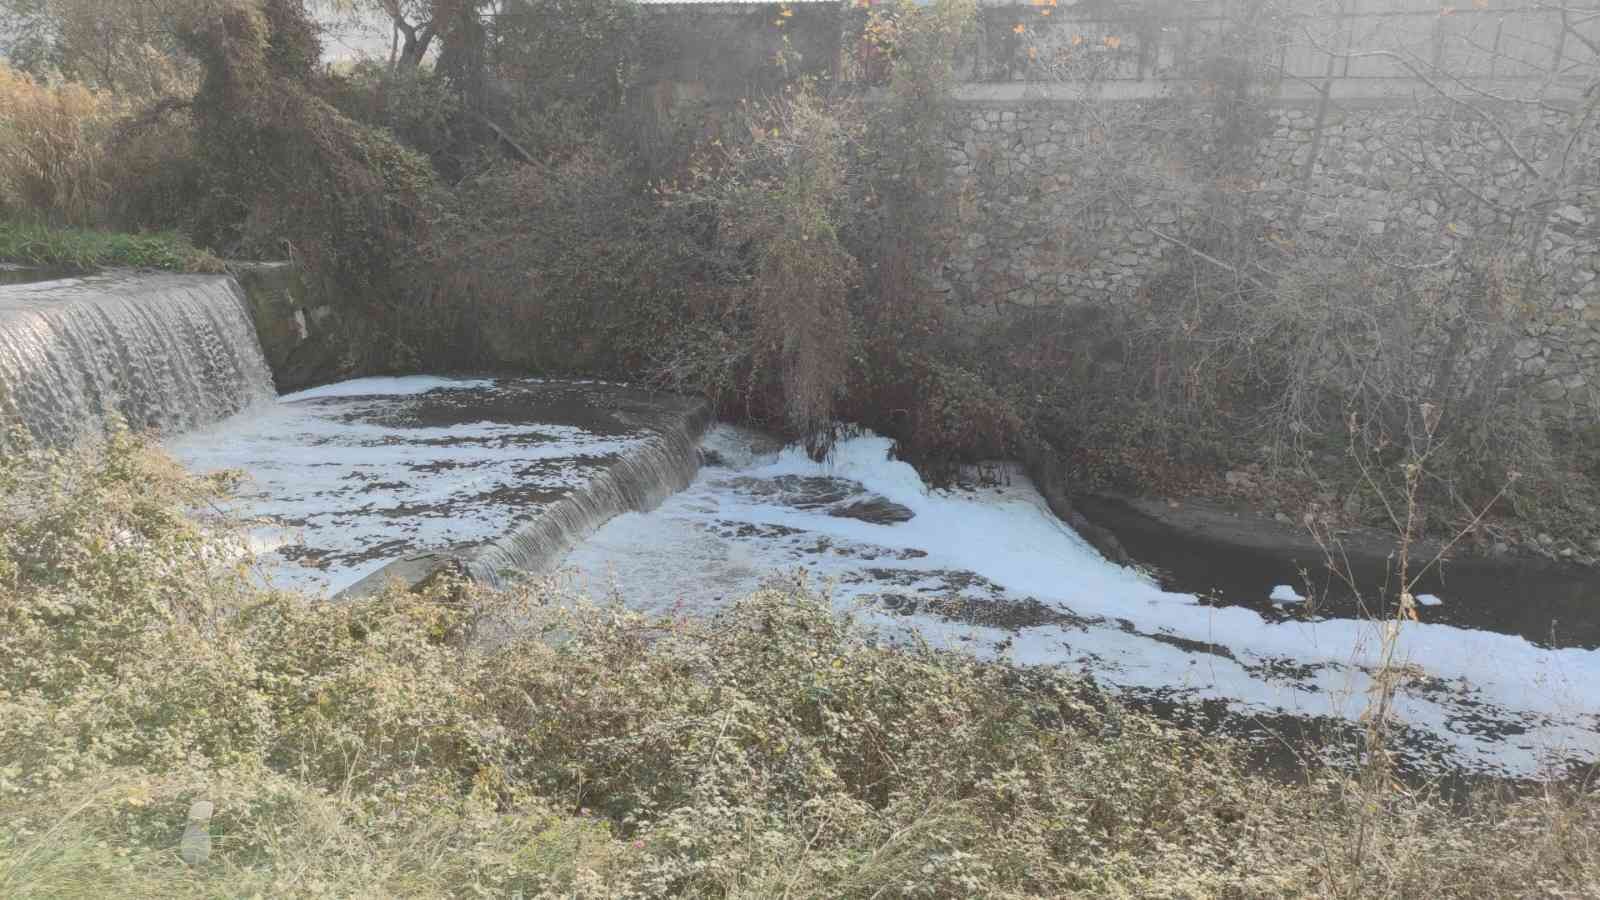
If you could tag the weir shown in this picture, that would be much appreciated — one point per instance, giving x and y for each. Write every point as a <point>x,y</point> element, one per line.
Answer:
<point>365,482</point>
<point>163,352</point>
<point>663,462</point>
<point>660,466</point>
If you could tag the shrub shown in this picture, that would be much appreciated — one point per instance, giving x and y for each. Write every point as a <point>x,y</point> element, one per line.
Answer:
<point>151,168</point>
<point>783,208</point>
<point>51,149</point>
<point>376,749</point>
<point>419,106</point>
<point>1294,373</point>
<point>558,266</point>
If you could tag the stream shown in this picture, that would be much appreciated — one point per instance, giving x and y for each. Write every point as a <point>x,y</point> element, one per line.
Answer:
<point>990,570</point>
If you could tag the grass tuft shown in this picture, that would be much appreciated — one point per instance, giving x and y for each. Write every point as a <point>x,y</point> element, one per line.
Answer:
<point>88,250</point>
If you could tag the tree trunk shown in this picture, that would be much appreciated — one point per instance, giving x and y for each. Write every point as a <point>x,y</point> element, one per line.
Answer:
<point>414,48</point>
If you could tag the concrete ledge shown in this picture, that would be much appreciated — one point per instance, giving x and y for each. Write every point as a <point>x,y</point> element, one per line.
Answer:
<point>299,330</point>
<point>638,482</point>
<point>414,573</point>
<point>1345,91</point>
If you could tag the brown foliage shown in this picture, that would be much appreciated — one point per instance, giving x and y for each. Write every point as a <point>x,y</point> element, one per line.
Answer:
<point>52,157</point>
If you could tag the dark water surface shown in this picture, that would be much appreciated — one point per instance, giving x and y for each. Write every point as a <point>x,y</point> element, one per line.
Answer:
<point>1551,605</point>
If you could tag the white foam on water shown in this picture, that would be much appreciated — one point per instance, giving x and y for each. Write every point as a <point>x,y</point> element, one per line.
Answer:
<point>1283,593</point>
<point>340,491</point>
<point>1496,702</point>
<point>391,386</point>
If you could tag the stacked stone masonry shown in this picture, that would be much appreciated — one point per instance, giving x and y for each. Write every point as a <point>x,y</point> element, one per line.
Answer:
<point>1067,203</point>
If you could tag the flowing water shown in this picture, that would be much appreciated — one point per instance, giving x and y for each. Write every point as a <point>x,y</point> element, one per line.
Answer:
<point>990,569</point>
<point>346,479</point>
<point>164,352</point>
<point>517,475</point>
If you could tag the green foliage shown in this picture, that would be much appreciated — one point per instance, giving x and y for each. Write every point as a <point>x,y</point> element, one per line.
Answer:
<point>38,245</point>
<point>285,173</point>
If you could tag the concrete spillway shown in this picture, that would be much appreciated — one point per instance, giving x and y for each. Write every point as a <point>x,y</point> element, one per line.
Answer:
<point>349,479</point>
<point>163,352</point>
<point>363,481</point>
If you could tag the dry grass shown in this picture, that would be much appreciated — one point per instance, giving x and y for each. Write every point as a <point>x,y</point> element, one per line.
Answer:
<point>369,750</point>
<point>52,152</point>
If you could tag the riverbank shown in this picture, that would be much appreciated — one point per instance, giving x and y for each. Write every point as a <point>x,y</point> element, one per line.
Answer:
<point>374,748</point>
<point>81,250</point>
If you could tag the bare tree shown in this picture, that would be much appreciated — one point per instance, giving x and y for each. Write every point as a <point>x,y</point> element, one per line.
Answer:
<point>417,24</point>
<point>122,45</point>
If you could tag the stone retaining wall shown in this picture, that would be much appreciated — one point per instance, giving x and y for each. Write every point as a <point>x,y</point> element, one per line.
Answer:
<point>1065,203</point>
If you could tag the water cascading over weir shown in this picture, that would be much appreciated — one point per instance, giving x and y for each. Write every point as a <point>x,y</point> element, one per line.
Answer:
<point>162,352</point>
<point>580,455</point>
<point>378,479</point>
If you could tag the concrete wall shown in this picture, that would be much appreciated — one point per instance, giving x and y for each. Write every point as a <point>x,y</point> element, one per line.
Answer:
<point>302,334</point>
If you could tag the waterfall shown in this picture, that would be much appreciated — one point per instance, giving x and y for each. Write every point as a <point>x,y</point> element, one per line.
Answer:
<point>663,465</point>
<point>165,352</point>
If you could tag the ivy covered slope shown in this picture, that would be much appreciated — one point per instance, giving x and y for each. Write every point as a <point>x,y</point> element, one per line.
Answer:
<point>420,746</point>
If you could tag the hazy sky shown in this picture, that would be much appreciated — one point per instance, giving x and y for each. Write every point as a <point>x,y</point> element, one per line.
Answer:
<point>344,39</point>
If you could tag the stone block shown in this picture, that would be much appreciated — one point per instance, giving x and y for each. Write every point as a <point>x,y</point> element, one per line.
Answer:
<point>1571,215</point>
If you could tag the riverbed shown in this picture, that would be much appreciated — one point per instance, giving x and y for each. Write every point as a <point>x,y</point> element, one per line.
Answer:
<point>346,480</point>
